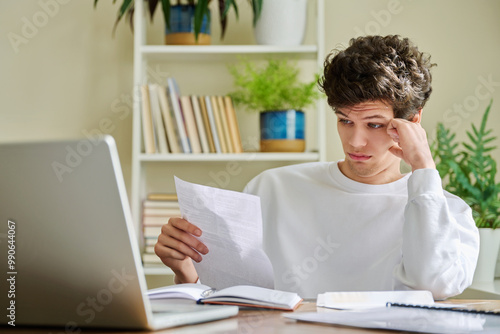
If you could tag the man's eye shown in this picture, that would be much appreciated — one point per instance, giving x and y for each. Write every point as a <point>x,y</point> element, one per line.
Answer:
<point>375,126</point>
<point>344,121</point>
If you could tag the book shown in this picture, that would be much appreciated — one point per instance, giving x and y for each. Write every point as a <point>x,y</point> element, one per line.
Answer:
<point>213,124</point>
<point>160,136</point>
<point>168,118</point>
<point>233,125</point>
<point>241,295</point>
<point>200,124</point>
<point>218,124</point>
<point>173,95</point>
<point>225,124</point>
<point>190,122</point>
<point>165,212</point>
<point>160,204</point>
<point>150,241</point>
<point>206,122</point>
<point>158,221</point>
<point>161,197</point>
<point>147,121</point>
<point>152,231</point>
<point>150,258</point>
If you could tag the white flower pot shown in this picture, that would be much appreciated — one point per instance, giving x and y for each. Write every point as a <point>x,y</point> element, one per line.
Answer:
<point>488,252</point>
<point>281,22</point>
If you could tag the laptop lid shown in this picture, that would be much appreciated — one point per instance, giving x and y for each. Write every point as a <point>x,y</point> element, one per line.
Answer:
<point>66,227</point>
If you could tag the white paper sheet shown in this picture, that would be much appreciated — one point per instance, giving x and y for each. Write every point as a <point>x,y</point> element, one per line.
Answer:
<point>232,230</point>
<point>406,319</point>
<point>348,300</point>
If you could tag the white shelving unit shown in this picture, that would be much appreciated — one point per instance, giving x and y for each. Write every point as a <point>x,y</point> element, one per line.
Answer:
<point>162,165</point>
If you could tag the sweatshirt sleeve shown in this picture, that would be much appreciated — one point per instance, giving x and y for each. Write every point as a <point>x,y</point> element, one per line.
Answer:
<point>440,238</point>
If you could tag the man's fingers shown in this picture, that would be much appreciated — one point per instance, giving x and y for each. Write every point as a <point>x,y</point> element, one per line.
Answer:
<point>168,247</point>
<point>397,151</point>
<point>184,238</point>
<point>184,225</point>
<point>164,252</point>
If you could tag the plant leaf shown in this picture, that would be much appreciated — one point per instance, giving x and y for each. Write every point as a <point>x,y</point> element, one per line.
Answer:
<point>201,9</point>
<point>126,5</point>
<point>165,5</point>
<point>257,9</point>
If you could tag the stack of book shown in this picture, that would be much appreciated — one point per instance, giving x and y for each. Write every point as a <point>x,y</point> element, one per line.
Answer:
<point>173,123</point>
<point>157,208</point>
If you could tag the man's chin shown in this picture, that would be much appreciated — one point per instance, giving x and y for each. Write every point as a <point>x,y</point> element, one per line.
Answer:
<point>360,168</point>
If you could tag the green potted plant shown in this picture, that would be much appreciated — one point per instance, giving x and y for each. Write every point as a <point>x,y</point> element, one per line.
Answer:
<point>187,22</point>
<point>469,172</point>
<point>275,91</point>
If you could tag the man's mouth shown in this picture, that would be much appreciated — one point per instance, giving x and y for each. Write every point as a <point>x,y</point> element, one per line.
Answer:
<point>358,157</point>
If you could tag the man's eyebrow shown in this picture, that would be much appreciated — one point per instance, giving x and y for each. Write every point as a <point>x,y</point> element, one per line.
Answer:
<point>375,116</point>
<point>337,112</point>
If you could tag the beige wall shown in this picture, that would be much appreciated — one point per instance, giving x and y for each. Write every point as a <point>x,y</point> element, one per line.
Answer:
<point>67,75</point>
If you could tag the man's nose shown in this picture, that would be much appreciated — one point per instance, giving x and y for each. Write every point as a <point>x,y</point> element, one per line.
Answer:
<point>358,138</point>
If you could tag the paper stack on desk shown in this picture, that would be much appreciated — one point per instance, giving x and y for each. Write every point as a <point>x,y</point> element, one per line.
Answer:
<point>420,320</point>
<point>348,300</point>
<point>413,311</point>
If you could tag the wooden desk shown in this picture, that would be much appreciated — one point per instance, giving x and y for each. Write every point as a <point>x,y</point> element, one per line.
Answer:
<point>257,322</point>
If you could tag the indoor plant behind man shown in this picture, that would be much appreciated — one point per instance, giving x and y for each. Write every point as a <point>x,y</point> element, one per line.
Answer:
<point>359,224</point>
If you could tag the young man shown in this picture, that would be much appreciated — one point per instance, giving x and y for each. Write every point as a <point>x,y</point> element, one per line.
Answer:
<point>359,224</point>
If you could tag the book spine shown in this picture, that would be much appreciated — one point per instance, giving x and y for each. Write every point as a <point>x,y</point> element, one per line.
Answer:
<point>174,100</point>
<point>189,119</point>
<point>147,121</point>
<point>213,124</point>
<point>218,123</point>
<point>206,122</point>
<point>233,125</point>
<point>225,124</point>
<point>157,119</point>
<point>172,135</point>
<point>200,124</point>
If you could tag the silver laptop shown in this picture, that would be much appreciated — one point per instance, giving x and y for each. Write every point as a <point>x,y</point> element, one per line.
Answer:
<point>68,245</point>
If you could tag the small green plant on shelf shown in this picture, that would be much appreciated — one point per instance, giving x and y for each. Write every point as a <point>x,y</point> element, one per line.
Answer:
<point>469,172</point>
<point>273,86</point>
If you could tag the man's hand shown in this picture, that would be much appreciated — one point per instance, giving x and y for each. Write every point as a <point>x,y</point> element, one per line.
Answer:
<point>411,143</point>
<point>177,245</point>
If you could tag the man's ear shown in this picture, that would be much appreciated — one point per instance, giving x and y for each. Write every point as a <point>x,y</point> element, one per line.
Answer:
<point>417,117</point>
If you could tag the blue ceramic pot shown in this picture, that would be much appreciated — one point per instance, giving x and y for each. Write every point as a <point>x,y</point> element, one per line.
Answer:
<point>282,131</point>
<point>181,30</point>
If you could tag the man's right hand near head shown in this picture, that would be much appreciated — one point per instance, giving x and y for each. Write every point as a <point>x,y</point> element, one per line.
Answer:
<point>177,245</point>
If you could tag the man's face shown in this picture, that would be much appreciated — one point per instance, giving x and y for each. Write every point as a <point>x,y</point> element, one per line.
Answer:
<point>363,132</point>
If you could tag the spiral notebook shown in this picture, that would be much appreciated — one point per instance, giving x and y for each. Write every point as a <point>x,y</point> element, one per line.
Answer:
<point>451,307</point>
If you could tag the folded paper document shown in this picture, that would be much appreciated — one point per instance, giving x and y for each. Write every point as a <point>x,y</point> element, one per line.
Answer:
<point>242,295</point>
<point>231,222</point>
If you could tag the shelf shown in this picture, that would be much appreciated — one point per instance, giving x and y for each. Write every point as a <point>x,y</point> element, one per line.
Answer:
<point>248,157</point>
<point>223,52</point>
<point>157,270</point>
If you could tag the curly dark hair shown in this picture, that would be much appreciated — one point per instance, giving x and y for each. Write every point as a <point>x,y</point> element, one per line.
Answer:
<point>390,69</point>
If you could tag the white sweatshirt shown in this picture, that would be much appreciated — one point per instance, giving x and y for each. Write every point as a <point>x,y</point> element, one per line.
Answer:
<point>325,232</point>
